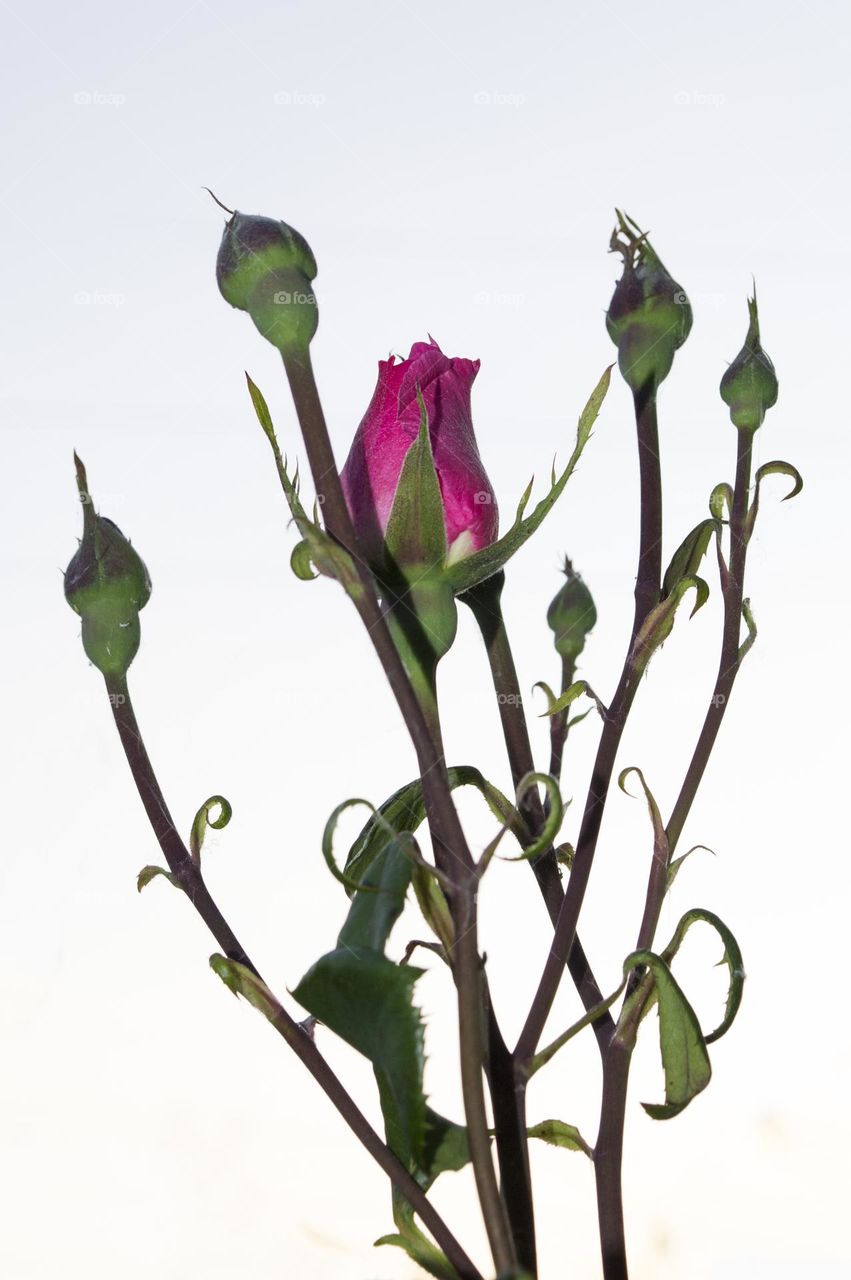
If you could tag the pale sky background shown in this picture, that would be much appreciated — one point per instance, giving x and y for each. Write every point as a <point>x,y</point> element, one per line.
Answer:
<point>455,168</point>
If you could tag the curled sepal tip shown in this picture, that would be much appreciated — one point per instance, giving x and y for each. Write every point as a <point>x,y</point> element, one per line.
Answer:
<point>574,691</point>
<point>775,468</point>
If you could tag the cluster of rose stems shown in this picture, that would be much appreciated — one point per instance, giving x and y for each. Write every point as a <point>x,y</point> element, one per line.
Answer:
<point>506,1203</point>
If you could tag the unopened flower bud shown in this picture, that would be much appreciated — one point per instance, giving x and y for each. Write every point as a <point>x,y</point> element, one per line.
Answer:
<point>107,584</point>
<point>571,615</point>
<point>266,268</point>
<point>749,386</point>
<point>649,316</point>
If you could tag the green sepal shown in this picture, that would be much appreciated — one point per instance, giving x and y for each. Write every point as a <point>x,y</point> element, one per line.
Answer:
<point>559,1134</point>
<point>721,498</point>
<point>416,528</point>
<point>732,958</point>
<point>484,564</point>
<point>675,864</point>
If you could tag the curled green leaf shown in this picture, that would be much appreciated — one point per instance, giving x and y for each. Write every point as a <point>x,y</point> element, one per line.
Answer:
<point>684,1058</point>
<point>574,691</point>
<point>732,958</point>
<point>555,814</point>
<point>748,642</point>
<point>147,874</point>
<point>559,1134</point>
<point>659,623</point>
<point>242,982</point>
<point>685,561</point>
<point>775,468</point>
<point>676,863</point>
<point>721,499</point>
<point>202,821</point>
<point>351,883</point>
<point>301,563</point>
<point>660,838</point>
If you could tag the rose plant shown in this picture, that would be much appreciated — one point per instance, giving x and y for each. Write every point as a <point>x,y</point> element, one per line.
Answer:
<point>408,528</point>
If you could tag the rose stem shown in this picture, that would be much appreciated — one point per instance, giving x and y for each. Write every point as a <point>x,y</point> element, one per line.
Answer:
<point>616,1073</point>
<point>451,851</point>
<point>647,590</point>
<point>558,722</point>
<point>485,603</point>
<point>188,876</point>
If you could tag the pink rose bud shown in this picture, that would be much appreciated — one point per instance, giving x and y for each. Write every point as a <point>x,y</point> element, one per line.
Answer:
<point>389,428</point>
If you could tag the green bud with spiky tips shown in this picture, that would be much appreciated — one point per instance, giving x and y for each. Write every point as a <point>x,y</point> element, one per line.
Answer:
<point>571,615</point>
<point>265,267</point>
<point>107,584</point>
<point>649,316</point>
<point>749,386</point>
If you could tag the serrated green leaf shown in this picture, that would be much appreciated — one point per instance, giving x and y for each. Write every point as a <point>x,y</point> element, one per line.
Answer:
<point>202,821</point>
<point>373,914</point>
<point>732,958</point>
<point>685,561</point>
<point>559,1134</point>
<point>446,1148</point>
<point>147,874</point>
<point>416,528</point>
<point>366,1000</point>
<point>484,564</point>
<point>684,1058</point>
